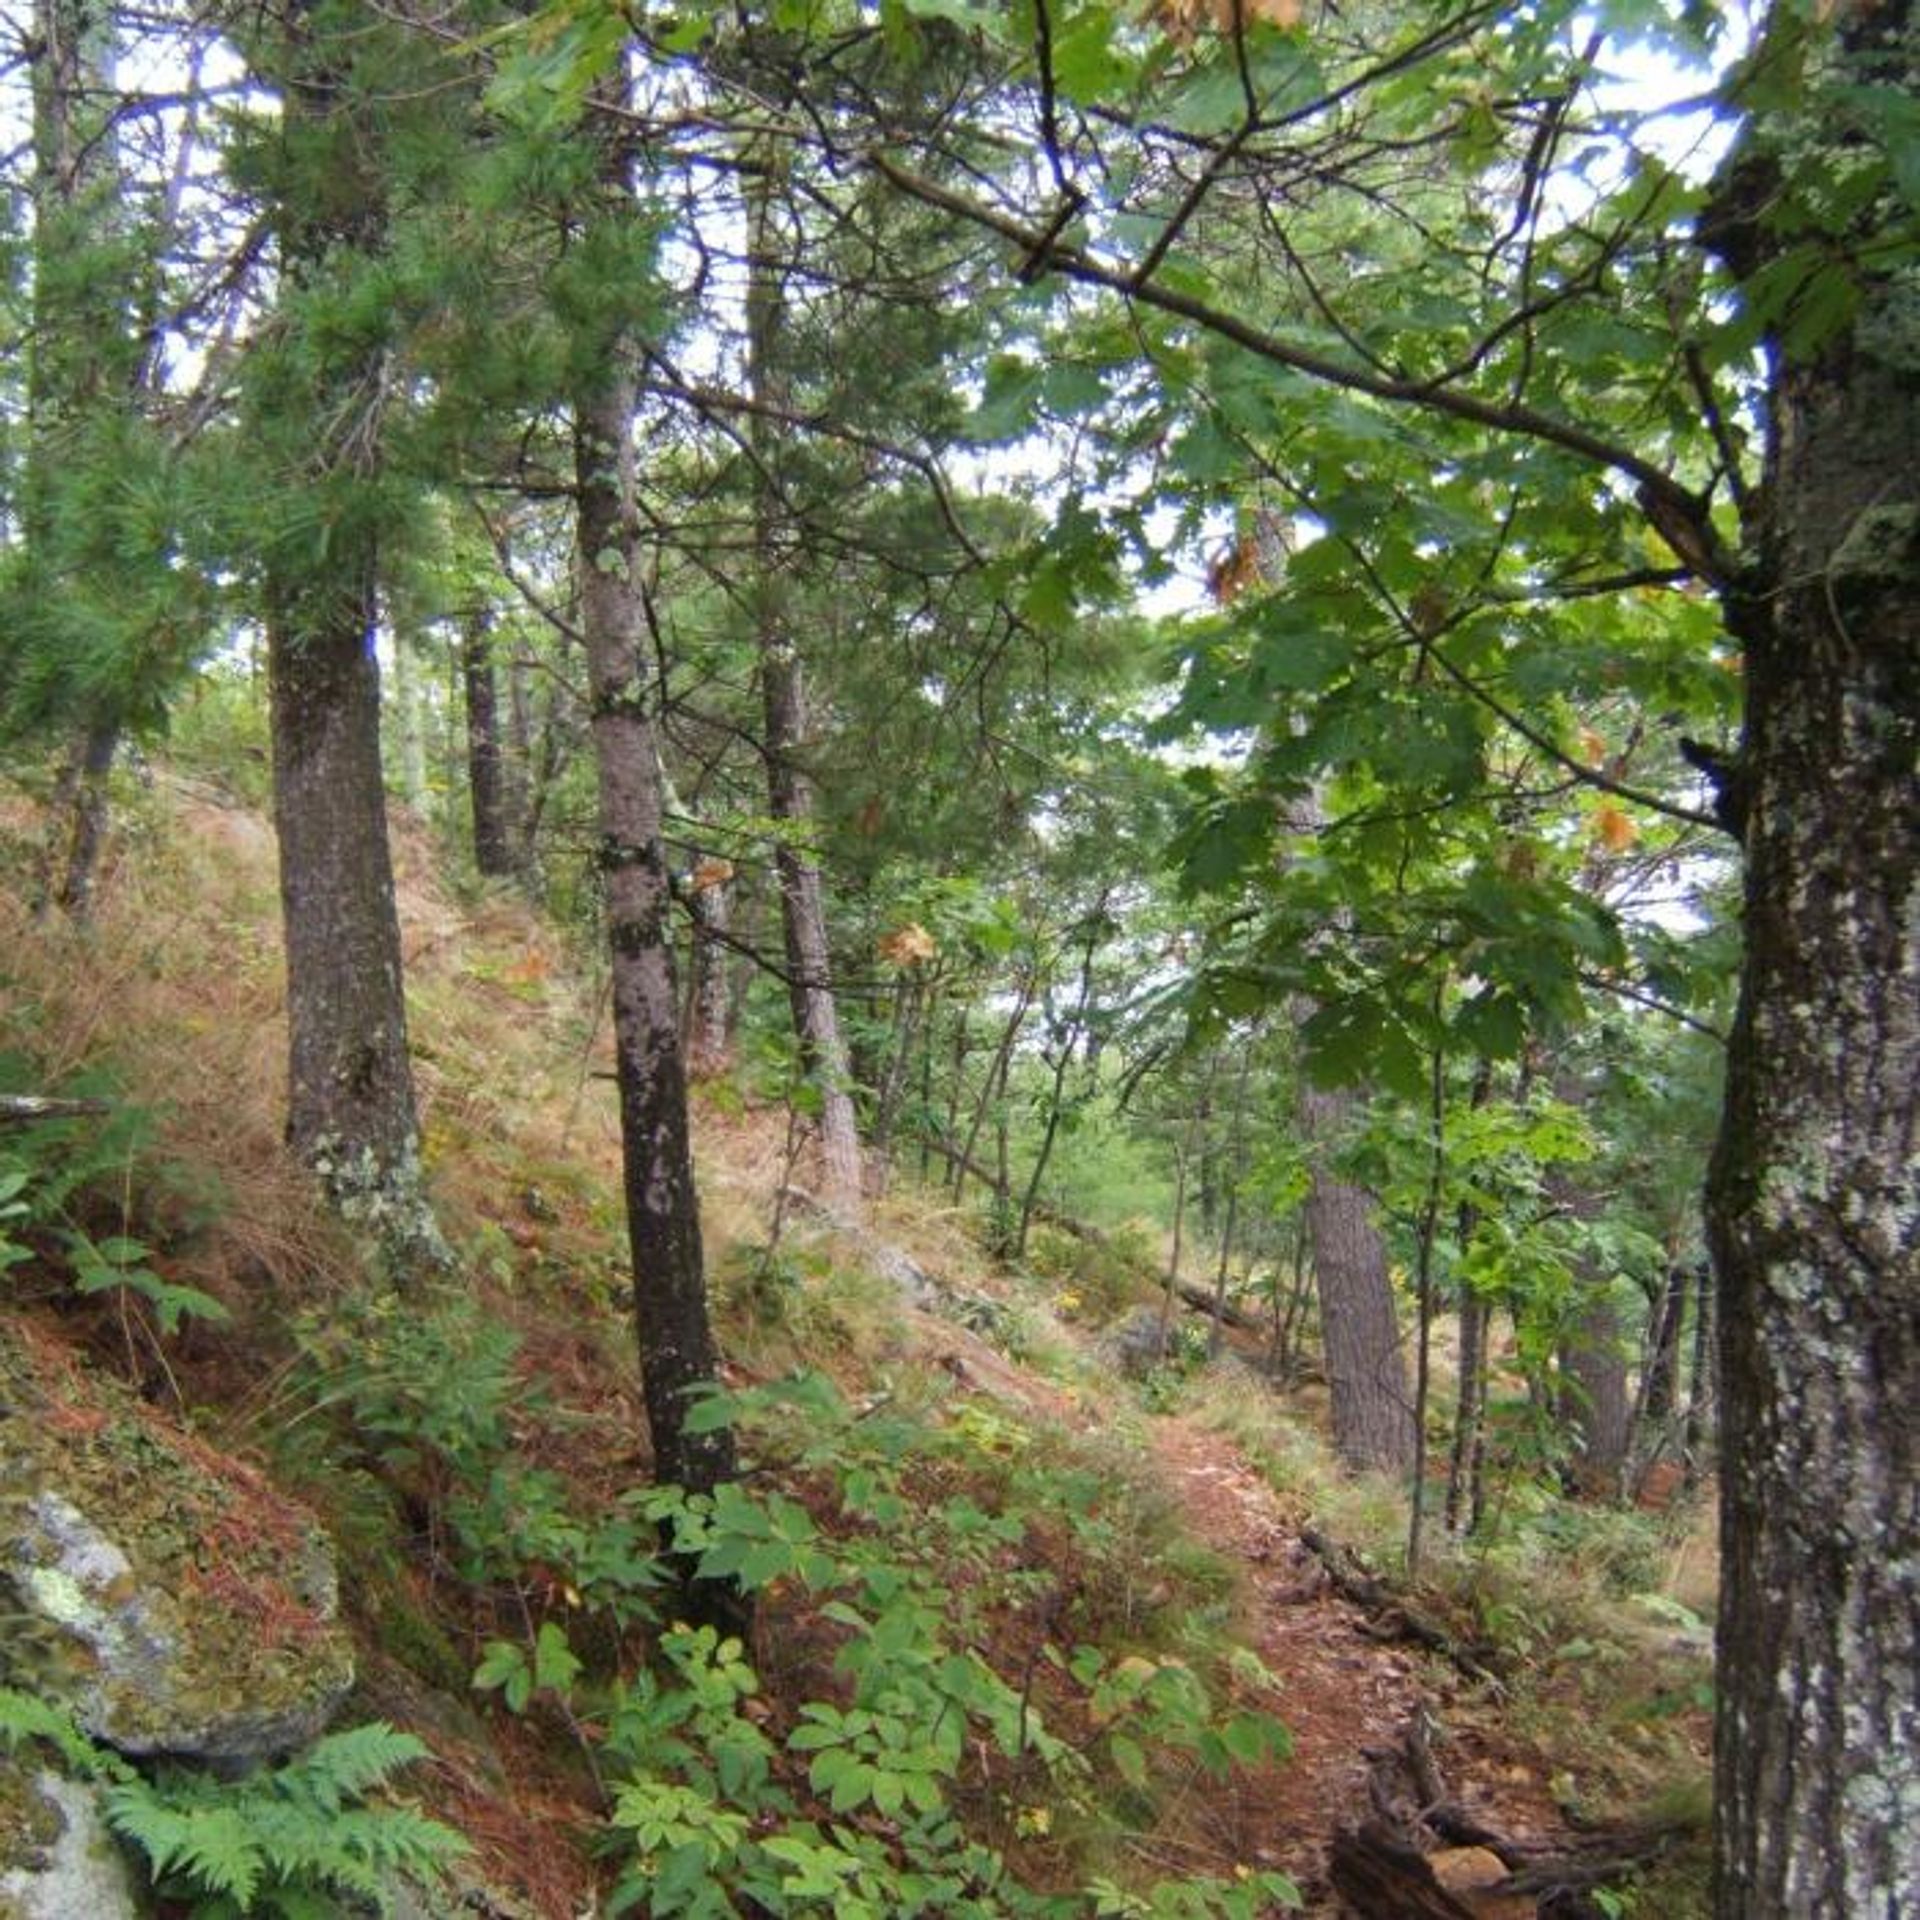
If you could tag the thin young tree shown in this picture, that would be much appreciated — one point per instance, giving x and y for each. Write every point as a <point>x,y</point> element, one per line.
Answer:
<point>678,1352</point>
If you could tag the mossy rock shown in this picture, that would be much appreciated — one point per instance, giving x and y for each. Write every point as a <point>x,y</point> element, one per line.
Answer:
<point>167,1594</point>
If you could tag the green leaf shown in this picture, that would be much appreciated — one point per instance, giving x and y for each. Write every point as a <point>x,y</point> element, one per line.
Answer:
<point>1128,1759</point>
<point>555,1664</point>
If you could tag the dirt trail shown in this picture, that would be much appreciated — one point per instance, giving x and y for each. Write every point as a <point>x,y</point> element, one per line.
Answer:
<point>1345,1696</point>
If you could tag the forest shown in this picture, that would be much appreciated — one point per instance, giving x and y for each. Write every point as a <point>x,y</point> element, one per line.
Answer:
<point>960,957</point>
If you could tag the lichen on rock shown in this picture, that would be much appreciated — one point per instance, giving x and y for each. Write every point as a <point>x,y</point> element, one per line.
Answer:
<point>166,1594</point>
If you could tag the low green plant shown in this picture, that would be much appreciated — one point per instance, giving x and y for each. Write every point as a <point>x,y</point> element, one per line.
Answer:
<point>119,1263</point>
<point>871,1797</point>
<point>435,1395</point>
<point>45,1186</point>
<point>13,1211</point>
<point>285,1843</point>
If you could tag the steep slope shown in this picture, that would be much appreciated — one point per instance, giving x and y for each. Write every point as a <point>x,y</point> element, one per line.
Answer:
<point>474,1454</point>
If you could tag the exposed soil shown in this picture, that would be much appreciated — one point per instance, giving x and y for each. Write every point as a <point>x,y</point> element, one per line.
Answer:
<point>1347,1697</point>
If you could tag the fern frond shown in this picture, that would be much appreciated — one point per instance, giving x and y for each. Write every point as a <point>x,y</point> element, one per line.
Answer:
<point>292,1843</point>
<point>212,1846</point>
<point>347,1766</point>
<point>24,1717</point>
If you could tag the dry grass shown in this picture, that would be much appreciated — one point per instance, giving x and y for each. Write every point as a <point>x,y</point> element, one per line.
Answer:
<point>173,993</point>
<point>176,992</point>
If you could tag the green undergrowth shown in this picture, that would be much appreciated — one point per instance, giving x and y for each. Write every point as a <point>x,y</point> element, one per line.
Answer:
<point>321,1834</point>
<point>968,1716</point>
<point>987,1661</point>
<point>1601,1665</point>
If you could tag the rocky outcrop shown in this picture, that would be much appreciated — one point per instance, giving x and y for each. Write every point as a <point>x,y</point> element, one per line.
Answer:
<point>164,1593</point>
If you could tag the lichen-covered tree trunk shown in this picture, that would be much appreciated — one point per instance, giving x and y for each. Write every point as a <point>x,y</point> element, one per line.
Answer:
<point>350,1102</point>
<point>678,1353</point>
<point>350,1113</point>
<point>1814,1197</point>
<point>1359,1330</point>
<point>78,821</point>
<point>1660,1374</point>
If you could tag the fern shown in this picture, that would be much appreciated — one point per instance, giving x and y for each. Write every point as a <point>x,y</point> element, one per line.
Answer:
<point>283,1843</point>
<point>25,1717</point>
<point>347,1766</point>
<point>214,1848</point>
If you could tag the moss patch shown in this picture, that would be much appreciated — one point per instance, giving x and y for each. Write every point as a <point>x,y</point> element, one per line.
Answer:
<point>185,1604</point>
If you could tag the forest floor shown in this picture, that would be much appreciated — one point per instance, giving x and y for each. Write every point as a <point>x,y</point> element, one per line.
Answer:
<point>1350,1694</point>
<point>512,1051</point>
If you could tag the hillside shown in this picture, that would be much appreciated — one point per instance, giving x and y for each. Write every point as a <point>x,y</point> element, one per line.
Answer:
<point>1027,1622</point>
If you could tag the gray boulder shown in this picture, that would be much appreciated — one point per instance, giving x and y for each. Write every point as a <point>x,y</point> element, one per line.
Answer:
<point>164,1593</point>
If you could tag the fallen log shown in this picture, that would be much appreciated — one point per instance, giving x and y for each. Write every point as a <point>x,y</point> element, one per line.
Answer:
<point>28,1109</point>
<point>1385,1870</point>
<point>1382,1875</point>
<point>1394,1617</point>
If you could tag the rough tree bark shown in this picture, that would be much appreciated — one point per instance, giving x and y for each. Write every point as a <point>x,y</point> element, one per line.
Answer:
<point>678,1353</point>
<point>1360,1333</point>
<point>677,1348</point>
<point>1814,1197</point>
<point>351,1113</point>
<point>78,822</point>
<point>494,840</point>
<point>1592,1403</point>
<point>1660,1374</point>
<point>1696,1434</point>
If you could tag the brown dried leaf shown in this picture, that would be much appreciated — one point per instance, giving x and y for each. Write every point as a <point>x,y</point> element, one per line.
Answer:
<point>908,946</point>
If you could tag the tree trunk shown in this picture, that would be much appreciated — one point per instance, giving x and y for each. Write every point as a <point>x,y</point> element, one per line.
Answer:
<point>1659,1374</point>
<point>996,1081</point>
<point>350,1092</point>
<point>788,722</point>
<point>404,700</point>
<point>1697,1435</point>
<point>350,1104</point>
<point>1593,1403</point>
<point>1662,1374</point>
<point>1814,1196</point>
<point>1182,1154</point>
<point>677,1349</point>
<point>1428,1240</point>
<point>82,362</point>
<point>1466,1465</point>
<point>709,1003</point>
<point>493,836</point>
<point>523,805</point>
<point>77,826</point>
<point>1066,1039</point>
<point>913,995</point>
<point>1372,1413</point>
